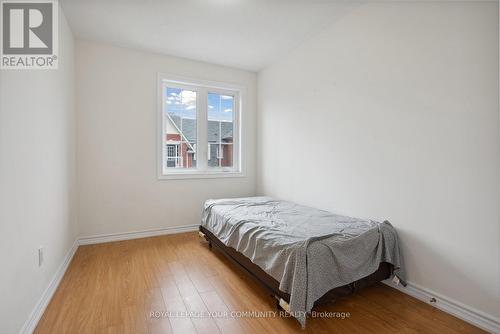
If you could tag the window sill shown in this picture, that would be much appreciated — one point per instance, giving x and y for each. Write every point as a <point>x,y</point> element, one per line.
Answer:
<point>199,175</point>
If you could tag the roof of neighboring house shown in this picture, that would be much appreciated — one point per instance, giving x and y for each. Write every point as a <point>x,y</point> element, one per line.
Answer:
<point>188,128</point>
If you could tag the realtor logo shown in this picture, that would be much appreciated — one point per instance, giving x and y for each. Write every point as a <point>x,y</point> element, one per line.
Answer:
<point>29,34</point>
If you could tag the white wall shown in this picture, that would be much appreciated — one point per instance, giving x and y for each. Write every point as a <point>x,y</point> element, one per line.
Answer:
<point>118,189</point>
<point>37,180</point>
<point>392,113</point>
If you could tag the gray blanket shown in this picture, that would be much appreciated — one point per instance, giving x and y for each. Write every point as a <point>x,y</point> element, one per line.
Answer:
<point>309,251</point>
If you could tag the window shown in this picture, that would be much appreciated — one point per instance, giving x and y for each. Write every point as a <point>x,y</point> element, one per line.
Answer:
<point>173,158</point>
<point>180,118</point>
<point>199,130</point>
<point>220,129</point>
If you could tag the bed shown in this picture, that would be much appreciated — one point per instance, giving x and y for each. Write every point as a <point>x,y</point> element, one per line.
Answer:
<point>301,255</point>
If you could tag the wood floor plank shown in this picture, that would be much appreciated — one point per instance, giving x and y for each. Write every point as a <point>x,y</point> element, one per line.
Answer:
<point>131,286</point>
<point>202,320</point>
<point>225,323</point>
<point>174,305</point>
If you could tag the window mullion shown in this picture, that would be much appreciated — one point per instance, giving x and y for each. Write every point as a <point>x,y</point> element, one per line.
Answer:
<point>202,125</point>
<point>237,132</point>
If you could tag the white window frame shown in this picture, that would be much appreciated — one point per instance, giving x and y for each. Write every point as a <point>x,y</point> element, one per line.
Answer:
<point>202,88</point>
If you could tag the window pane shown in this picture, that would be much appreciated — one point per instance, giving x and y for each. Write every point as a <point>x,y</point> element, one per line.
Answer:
<point>220,130</point>
<point>179,124</point>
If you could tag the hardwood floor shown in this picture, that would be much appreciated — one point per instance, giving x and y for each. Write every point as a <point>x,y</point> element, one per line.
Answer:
<point>115,287</point>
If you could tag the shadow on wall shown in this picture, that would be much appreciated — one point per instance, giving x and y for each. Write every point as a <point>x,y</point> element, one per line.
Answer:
<point>427,251</point>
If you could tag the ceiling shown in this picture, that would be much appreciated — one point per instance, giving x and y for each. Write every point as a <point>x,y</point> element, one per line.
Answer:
<point>246,34</point>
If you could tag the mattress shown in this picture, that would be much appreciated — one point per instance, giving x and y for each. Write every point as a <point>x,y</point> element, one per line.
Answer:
<point>308,251</point>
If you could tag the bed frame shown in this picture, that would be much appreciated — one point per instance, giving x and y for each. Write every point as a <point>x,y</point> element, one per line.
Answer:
<point>272,285</point>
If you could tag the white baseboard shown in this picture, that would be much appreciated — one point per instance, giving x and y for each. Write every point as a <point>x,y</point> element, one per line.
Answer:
<point>30,324</point>
<point>475,317</point>
<point>97,239</point>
